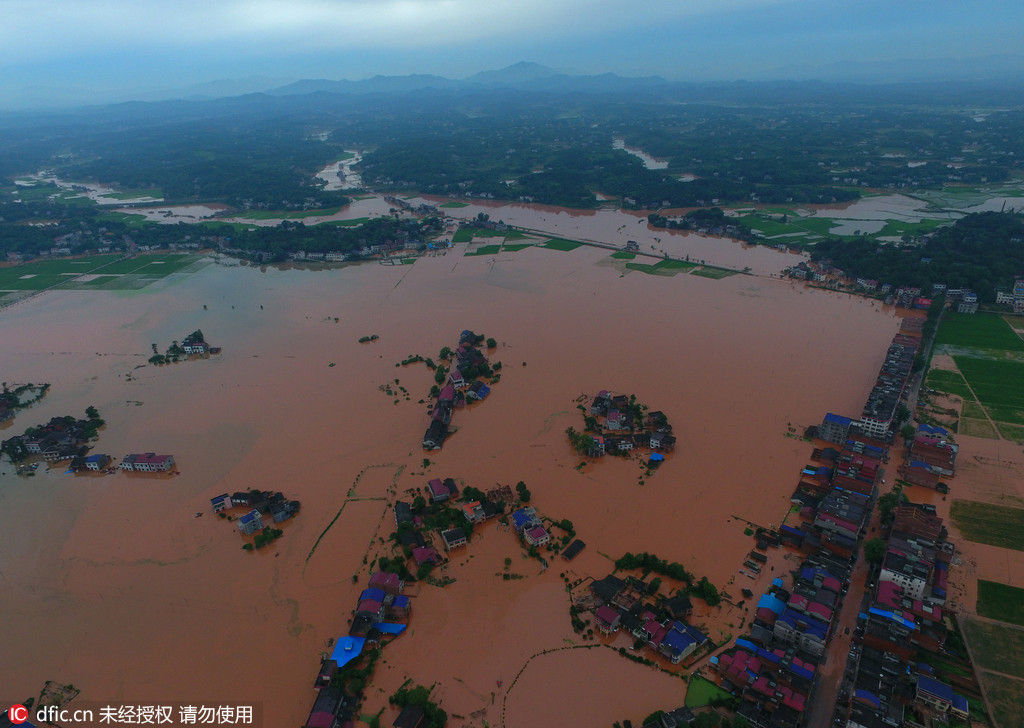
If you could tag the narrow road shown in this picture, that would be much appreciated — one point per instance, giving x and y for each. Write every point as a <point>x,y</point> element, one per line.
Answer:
<point>831,673</point>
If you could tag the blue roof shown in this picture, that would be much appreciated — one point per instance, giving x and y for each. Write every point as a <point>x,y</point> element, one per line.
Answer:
<point>794,531</point>
<point>801,672</point>
<point>347,649</point>
<point>960,702</point>
<point>401,601</point>
<point>892,616</point>
<point>933,429</point>
<point>714,660</point>
<point>677,641</point>
<point>250,516</point>
<point>809,471</point>
<point>747,645</point>
<point>934,687</point>
<point>772,602</point>
<point>373,593</point>
<point>837,419</point>
<point>870,697</point>
<point>657,457</point>
<point>96,458</point>
<point>521,517</point>
<point>920,464</point>
<point>215,500</point>
<point>812,626</point>
<point>388,628</point>
<point>766,655</point>
<point>777,581</point>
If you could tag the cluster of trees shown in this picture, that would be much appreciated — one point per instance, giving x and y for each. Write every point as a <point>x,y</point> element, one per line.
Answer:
<point>89,229</point>
<point>420,696</point>
<point>651,563</point>
<point>11,399</point>
<point>982,251</point>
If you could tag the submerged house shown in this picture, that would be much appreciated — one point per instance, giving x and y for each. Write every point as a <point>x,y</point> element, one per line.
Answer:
<point>435,435</point>
<point>251,522</point>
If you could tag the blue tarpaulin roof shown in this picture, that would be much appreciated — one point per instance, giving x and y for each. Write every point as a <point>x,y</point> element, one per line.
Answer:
<point>373,593</point>
<point>347,649</point>
<point>747,645</point>
<point>657,457</point>
<point>388,628</point>
<point>894,617</point>
<point>772,602</point>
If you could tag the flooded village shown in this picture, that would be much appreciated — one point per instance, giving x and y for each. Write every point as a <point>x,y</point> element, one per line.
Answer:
<point>604,596</point>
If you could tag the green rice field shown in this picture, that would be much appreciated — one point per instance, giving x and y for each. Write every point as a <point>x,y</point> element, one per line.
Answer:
<point>110,272</point>
<point>979,331</point>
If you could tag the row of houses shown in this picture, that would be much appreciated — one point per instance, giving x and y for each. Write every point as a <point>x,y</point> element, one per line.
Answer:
<point>462,385</point>
<point>878,418</point>
<point>774,667</point>
<point>59,439</point>
<point>382,612</point>
<point>618,425</point>
<point>147,462</point>
<point>1014,297</point>
<point>901,616</point>
<point>624,605</point>
<point>259,503</point>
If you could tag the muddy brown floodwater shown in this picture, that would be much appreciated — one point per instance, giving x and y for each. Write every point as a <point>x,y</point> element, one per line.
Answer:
<point>620,226</point>
<point>113,584</point>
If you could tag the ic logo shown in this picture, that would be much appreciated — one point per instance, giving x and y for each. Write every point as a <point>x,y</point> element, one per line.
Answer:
<point>17,713</point>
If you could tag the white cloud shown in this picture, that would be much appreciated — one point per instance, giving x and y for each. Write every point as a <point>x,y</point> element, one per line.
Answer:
<point>35,29</point>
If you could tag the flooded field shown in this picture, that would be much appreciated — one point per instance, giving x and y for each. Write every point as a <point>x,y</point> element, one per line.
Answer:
<point>99,193</point>
<point>649,161</point>
<point>113,583</point>
<point>870,214</point>
<point>171,214</point>
<point>619,226</point>
<point>341,175</point>
<point>355,211</point>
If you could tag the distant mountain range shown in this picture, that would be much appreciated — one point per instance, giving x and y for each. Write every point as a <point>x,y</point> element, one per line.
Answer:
<point>939,81</point>
<point>523,76</point>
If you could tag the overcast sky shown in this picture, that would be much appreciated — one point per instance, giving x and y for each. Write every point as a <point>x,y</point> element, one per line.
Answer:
<point>103,49</point>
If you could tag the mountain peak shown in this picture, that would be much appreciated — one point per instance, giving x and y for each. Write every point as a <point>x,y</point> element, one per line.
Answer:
<point>516,73</point>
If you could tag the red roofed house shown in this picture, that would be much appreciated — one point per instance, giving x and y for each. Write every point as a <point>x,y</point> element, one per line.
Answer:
<point>537,536</point>
<point>424,555</point>
<point>388,583</point>
<point>607,619</point>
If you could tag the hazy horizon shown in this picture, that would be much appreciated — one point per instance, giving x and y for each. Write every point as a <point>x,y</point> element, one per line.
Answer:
<point>70,52</point>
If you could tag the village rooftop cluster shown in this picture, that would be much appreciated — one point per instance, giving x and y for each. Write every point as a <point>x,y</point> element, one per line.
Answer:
<point>463,384</point>
<point>383,611</point>
<point>616,424</point>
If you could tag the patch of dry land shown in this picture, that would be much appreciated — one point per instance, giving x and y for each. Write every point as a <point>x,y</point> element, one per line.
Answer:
<point>113,584</point>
